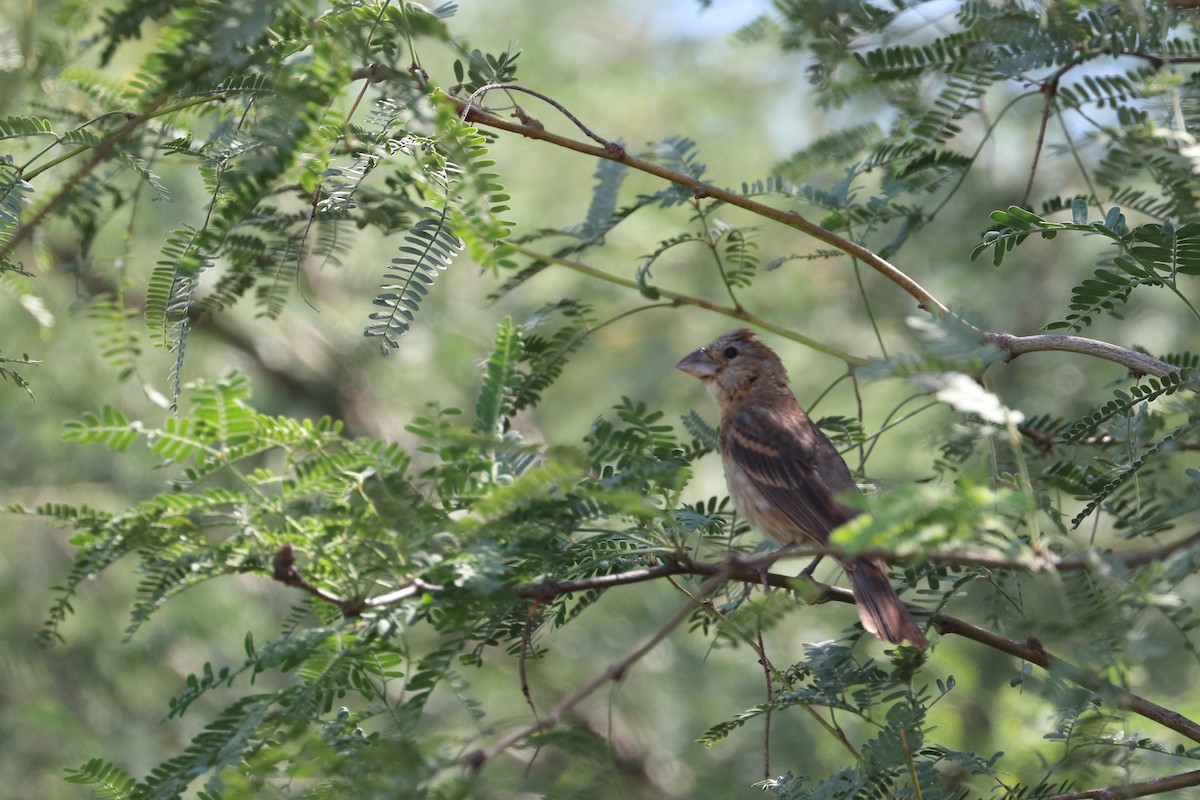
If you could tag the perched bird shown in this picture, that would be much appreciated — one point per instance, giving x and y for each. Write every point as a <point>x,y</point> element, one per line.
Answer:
<point>783,473</point>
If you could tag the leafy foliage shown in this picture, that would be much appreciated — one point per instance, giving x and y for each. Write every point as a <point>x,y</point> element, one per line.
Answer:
<point>472,545</point>
<point>354,516</point>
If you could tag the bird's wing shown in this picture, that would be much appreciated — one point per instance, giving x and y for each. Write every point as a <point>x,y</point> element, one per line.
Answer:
<point>792,464</point>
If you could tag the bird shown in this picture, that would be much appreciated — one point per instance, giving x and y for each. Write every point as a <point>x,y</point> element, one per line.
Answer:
<point>784,474</point>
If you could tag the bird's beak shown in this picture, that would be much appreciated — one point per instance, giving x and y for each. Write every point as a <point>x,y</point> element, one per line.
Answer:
<point>699,364</point>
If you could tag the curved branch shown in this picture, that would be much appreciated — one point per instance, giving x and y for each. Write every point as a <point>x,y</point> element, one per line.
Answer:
<point>1137,363</point>
<point>924,299</point>
<point>1031,650</point>
<point>479,93</point>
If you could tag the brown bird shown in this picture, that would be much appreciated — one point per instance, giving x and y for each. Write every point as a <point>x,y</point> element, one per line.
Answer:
<point>783,473</point>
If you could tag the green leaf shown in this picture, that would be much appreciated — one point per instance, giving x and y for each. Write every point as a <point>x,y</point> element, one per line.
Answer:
<point>1079,211</point>
<point>494,403</point>
<point>110,429</point>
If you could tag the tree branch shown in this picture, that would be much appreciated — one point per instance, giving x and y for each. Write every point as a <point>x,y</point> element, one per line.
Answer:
<point>614,672</point>
<point>751,570</point>
<point>1033,652</point>
<point>748,570</point>
<point>1137,363</point>
<point>1141,789</point>
<point>1050,93</point>
<point>924,299</point>
<point>284,570</point>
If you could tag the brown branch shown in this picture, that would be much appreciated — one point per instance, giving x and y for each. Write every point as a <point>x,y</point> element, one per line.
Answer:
<point>529,121</point>
<point>1137,363</point>
<point>1032,651</point>
<point>284,570</point>
<point>1158,62</point>
<point>1037,562</point>
<point>1050,92</point>
<point>749,570</point>
<point>791,219</point>
<point>1037,146</point>
<point>1140,789</point>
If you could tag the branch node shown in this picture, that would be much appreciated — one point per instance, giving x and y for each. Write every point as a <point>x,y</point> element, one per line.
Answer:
<point>528,121</point>
<point>284,569</point>
<point>1035,644</point>
<point>474,760</point>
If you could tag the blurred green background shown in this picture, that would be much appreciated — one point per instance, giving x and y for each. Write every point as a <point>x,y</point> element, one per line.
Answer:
<point>633,71</point>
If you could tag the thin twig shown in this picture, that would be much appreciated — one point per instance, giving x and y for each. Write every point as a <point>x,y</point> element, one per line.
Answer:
<point>614,672</point>
<point>832,728</point>
<point>680,299</point>
<point>526,638</point>
<point>465,110</point>
<point>1050,93</point>
<point>766,665</point>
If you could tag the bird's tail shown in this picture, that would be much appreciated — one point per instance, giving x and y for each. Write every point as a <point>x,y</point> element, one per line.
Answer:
<point>880,609</point>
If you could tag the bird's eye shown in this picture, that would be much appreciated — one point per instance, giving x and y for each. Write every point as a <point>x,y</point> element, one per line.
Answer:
<point>731,352</point>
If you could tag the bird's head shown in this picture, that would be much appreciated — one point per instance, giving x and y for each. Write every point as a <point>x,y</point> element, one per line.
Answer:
<point>736,365</point>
